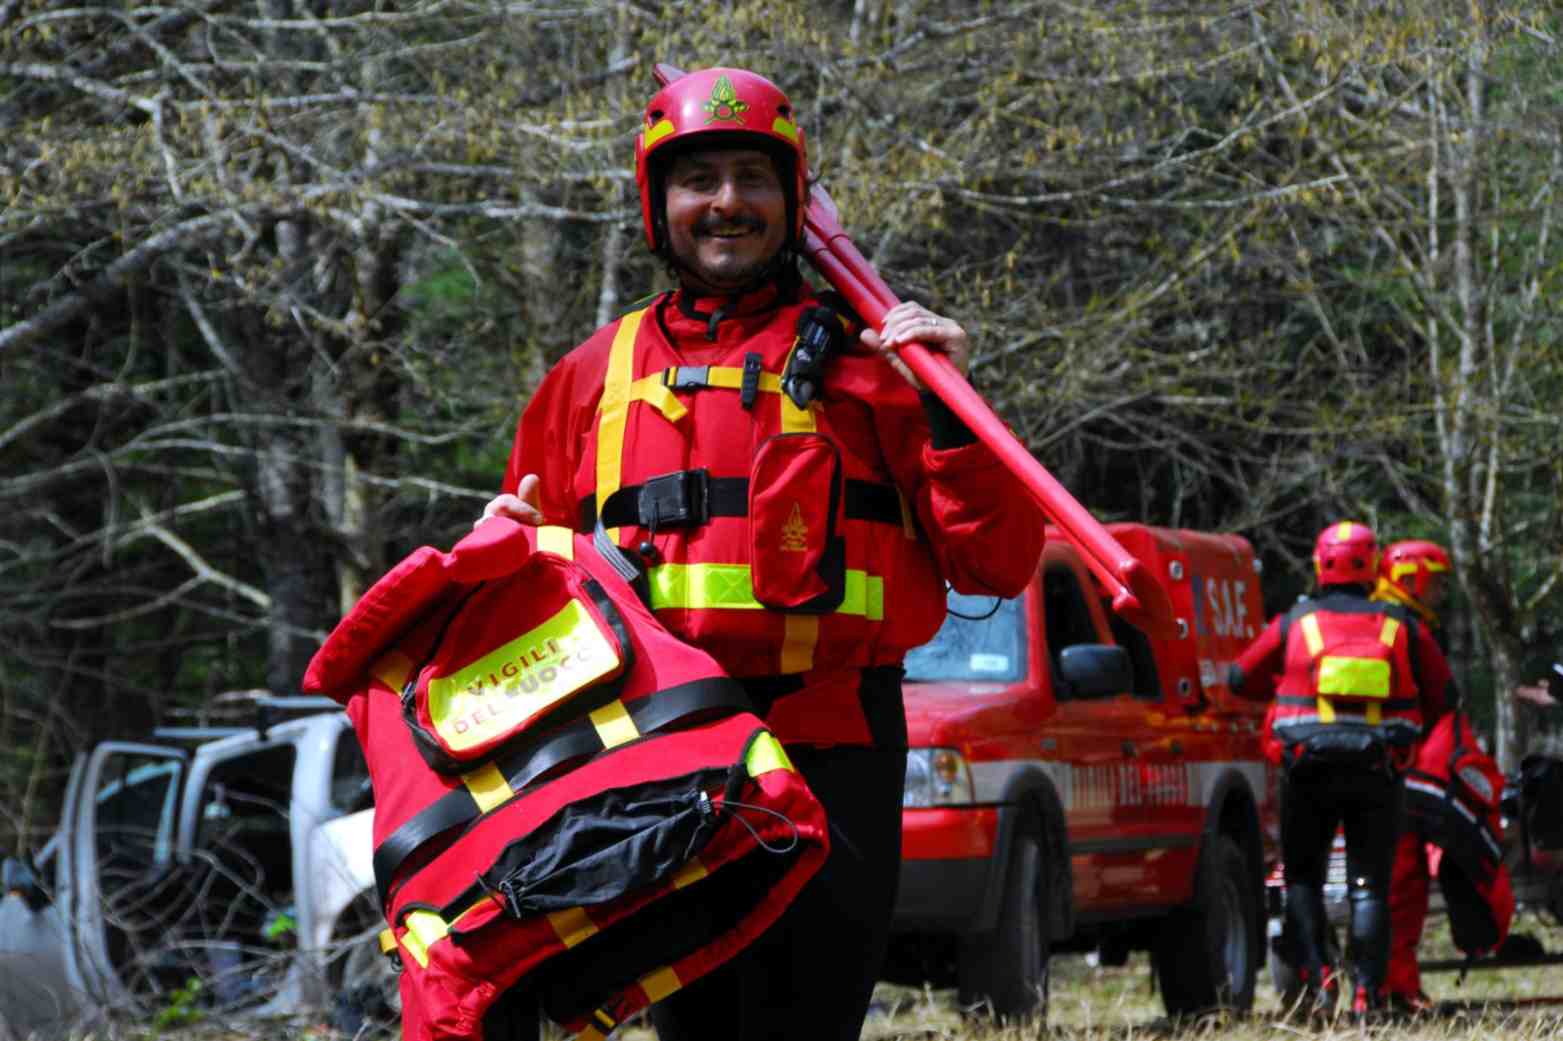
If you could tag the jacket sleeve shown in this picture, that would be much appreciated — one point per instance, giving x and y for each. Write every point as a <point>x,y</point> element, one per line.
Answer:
<point>552,429</point>
<point>985,530</point>
<point>1258,669</point>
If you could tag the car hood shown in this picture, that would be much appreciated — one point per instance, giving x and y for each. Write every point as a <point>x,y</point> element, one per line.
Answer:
<point>957,714</point>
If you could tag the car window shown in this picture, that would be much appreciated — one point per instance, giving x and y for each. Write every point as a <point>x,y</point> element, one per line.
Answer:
<point>1068,619</point>
<point>982,639</point>
<point>350,791</point>
<point>135,814</point>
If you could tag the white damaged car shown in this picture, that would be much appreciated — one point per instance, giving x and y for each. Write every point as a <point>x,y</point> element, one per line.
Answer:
<point>220,869</point>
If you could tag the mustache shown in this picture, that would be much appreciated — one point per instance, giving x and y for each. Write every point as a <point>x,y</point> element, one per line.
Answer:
<point>711,225</point>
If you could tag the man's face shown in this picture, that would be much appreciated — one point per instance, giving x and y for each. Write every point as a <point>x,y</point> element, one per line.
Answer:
<point>726,216</point>
<point>1433,590</point>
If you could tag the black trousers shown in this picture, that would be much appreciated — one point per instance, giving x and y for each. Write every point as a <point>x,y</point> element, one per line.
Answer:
<point>1316,800</point>
<point>811,975</point>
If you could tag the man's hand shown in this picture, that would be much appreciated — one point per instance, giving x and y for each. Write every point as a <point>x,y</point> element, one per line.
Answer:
<point>1536,694</point>
<point>522,506</point>
<point>909,322</point>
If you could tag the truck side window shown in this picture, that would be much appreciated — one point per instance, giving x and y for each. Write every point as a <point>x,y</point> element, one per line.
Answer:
<point>1147,684</point>
<point>1064,606</point>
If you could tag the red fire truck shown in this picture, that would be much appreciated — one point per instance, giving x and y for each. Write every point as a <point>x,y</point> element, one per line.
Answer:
<point>1074,784</point>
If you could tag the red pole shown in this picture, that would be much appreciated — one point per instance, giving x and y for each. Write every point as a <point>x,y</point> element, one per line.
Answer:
<point>1136,595</point>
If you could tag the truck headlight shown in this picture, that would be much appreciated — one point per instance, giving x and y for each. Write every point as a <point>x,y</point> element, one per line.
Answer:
<point>936,777</point>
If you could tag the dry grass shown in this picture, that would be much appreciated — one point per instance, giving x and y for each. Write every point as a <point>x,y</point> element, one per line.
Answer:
<point>1091,1003</point>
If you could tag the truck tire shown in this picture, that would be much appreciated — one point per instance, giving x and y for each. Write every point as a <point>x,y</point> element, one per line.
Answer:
<point>1205,957</point>
<point>1006,970</point>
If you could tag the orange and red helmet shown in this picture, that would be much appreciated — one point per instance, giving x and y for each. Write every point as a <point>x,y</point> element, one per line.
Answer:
<point>1346,553</point>
<point>721,107</point>
<point>1409,566</point>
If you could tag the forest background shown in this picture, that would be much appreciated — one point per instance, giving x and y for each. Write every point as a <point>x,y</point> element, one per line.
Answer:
<point>277,276</point>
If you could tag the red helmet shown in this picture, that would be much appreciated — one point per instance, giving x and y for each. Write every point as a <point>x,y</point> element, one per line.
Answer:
<point>725,102</point>
<point>1409,565</point>
<point>1345,554</point>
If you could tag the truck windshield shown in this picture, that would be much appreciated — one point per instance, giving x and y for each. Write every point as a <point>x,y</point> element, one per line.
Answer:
<point>987,645</point>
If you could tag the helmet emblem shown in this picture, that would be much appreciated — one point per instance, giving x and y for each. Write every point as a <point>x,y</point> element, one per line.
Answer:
<point>724,105</point>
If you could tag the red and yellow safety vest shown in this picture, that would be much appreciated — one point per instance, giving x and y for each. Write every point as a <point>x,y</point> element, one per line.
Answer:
<point>774,539</point>
<point>1348,665</point>
<point>564,792</point>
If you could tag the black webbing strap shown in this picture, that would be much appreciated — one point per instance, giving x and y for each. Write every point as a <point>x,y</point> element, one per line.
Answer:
<point>533,759</point>
<point>728,497</point>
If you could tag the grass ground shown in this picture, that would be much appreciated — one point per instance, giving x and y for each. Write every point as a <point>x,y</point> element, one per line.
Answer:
<point>1095,1003</point>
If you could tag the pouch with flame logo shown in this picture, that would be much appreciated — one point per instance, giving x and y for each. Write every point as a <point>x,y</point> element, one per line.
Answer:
<point>797,556</point>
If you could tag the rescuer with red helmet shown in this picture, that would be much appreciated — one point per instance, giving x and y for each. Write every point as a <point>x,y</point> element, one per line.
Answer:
<point>1413,573</point>
<point>797,506</point>
<point>1354,682</point>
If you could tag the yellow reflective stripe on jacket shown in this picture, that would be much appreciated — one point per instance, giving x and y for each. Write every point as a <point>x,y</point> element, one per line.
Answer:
<point>1388,632</point>
<point>613,408</point>
<point>701,586</point>
<point>656,393</point>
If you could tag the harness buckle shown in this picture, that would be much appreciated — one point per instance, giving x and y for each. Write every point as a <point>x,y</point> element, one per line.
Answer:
<point>677,500</point>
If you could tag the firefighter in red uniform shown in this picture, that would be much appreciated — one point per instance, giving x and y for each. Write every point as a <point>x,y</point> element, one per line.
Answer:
<point>1412,573</point>
<point>797,504</point>
<point>1354,682</point>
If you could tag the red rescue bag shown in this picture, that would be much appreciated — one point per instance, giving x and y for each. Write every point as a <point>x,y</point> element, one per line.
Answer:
<point>1453,794</point>
<point>606,842</point>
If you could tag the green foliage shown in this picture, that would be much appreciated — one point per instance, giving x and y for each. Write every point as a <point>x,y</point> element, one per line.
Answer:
<point>181,1010</point>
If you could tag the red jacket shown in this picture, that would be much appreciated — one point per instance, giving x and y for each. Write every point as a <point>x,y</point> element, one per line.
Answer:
<point>876,518</point>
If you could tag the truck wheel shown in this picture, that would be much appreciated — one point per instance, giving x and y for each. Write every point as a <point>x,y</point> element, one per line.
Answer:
<point>1007,969</point>
<point>1205,957</point>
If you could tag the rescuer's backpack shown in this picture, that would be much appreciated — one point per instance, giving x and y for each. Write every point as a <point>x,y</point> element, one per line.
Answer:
<point>567,798</point>
<point>1453,796</point>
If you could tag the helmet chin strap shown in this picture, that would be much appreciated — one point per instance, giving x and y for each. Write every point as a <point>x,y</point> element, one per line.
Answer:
<point>781,269</point>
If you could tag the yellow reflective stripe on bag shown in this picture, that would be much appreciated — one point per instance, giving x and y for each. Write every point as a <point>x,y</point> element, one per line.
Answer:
<point>766,754</point>
<point>521,678</point>
<point>703,586</point>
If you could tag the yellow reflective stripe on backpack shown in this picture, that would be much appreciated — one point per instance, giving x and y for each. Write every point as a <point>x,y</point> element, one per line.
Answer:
<point>766,754</point>
<point>614,725</point>
<point>393,669</point>
<point>572,925</point>
<point>560,541</point>
<point>692,872</point>
<point>613,408</point>
<point>700,586</point>
<point>1311,635</point>
<point>424,930</point>
<point>488,787</point>
<point>660,984</point>
<point>1354,677</point>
